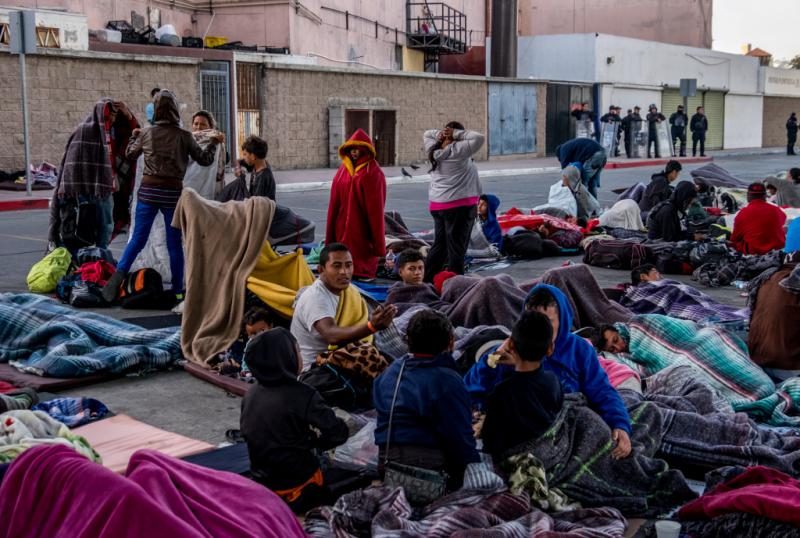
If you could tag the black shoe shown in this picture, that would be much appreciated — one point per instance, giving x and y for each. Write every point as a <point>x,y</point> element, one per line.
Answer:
<point>111,290</point>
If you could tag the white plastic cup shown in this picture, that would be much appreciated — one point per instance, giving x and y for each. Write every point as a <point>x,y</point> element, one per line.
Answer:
<point>668,529</point>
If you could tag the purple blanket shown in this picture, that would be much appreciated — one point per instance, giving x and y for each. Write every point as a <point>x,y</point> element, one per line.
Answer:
<point>53,492</point>
<point>677,300</point>
<point>494,300</point>
<point>405,297</point>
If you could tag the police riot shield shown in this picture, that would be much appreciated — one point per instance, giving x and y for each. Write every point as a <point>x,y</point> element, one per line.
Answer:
<point>608,137</point>
<point>664,140</point>
<point>584,128</point>
<point>638,139</point>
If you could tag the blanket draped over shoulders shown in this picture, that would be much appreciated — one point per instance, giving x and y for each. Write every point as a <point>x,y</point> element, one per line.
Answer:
<point>223,243</point>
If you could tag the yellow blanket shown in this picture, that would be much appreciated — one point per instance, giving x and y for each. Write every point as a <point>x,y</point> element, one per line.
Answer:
<point>277,279</point>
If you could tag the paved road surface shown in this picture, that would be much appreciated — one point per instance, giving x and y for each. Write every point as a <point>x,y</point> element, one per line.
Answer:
<point>177,402</point>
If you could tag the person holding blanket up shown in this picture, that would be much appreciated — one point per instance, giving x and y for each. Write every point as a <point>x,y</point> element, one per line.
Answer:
<point>355,210</point>
<point>453,193</point>
<point>167,148</point>
<point>330,312</point>
<point>573,360</point>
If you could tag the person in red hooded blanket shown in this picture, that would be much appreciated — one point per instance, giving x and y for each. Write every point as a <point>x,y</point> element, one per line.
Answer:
<point>355,211</point>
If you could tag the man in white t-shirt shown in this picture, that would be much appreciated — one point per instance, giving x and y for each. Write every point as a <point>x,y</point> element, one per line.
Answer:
<point>313,323</point>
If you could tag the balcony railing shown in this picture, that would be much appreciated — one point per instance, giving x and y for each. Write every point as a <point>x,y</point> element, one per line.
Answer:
<point>436,28</point>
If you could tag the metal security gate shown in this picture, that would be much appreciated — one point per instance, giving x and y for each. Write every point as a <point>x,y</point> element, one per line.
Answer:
<point>714,104</point>
<point>215,95</point>
<point>560,124</point>
<point>512,118</point>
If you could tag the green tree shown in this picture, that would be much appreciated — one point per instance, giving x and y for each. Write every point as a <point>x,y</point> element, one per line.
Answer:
<point>795,62</point>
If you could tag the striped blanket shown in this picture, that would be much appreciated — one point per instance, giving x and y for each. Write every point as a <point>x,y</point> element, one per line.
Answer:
<point>681,301</point>
<point>576,455</point>
<point>720,359</point>
<point>40,336</point>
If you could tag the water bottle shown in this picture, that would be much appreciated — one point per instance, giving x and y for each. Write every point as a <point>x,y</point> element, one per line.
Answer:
<point>740,284</point>
<point>390,257</point>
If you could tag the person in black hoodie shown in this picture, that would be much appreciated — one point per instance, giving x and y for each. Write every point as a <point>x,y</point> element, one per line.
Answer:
<point>659,189</point>
<point>791,134</point>
<point>699,126</point>
<point>664,222</point>
<point>679,120</point>
<point>284,421</point>
<point>654,117</point>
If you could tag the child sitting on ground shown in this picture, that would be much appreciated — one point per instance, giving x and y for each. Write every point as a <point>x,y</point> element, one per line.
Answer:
<point>411,267</point>
<point>524,405</point>
<point>284,421</point>
<point>256,320</point>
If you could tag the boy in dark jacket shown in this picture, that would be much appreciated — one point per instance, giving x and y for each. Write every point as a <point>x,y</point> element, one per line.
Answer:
<point>432,422</point>
<point>254,154</point>
<point>664,221</point>
<point>524,405</point>
<point>659,189</point>
<point>284,421</point>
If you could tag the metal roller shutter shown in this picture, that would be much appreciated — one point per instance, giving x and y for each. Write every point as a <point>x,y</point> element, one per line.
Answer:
<point>714,103</point>
<point>670,99</point>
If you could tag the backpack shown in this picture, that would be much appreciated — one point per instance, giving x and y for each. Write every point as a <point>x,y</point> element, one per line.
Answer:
<point>336,386</point>
<point>710,252</point>
<point>616,254</point>
<point>86,295</point>
<point>78,223</point>
<point>45,274</point>
<point>94,254</point>
<point>143,289</point>
<point>673,258</point>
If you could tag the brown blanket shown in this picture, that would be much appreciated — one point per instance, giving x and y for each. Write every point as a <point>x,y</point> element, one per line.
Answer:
<point>588,301</point>
<point>774,338</point>
<point>222,244</point>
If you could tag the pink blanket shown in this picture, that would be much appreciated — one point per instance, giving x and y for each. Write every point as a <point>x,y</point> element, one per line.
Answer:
<point>53,492</point>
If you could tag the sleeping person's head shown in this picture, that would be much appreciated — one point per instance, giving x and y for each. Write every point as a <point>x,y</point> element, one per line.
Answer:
<point>429,334</point>
<point>609,339</point>
<point>411,266</point>
<point>542,301</point>
<point>645,273</point>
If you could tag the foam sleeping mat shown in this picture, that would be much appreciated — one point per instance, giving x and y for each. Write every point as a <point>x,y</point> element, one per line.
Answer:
<point>11,375</point>
<point>230,384</point>
<point>232,458</point>
<point>155,322</point>
<point>118,437</point>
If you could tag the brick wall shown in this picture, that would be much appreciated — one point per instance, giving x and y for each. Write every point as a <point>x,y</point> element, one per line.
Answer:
<point>776,112</point>
<point>297,103</point>
<point>62,90</point>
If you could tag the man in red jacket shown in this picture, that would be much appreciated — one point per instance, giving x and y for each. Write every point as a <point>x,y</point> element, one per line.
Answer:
<point>355,210</point>
<point>758,228</point>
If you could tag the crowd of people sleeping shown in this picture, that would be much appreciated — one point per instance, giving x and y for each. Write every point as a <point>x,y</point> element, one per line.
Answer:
<point>550,404</point>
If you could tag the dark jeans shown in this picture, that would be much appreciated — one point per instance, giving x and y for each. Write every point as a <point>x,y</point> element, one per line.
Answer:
<point>652,138</point>
<point>698,137</point>
<point>680,134</point>
<point>105,219</point>
<point>790,142</point>
<point>452,229</point>
<point>145,215</point>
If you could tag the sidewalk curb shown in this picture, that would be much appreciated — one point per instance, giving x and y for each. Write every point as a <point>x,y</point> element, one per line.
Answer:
<point>619,165</point>
<point>24,203</point>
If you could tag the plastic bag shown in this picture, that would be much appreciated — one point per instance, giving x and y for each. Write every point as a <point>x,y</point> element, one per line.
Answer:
<point>562,198</point>
<point>360,449</point>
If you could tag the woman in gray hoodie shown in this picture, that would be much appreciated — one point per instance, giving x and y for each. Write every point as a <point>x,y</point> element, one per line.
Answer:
<point>453,195</point>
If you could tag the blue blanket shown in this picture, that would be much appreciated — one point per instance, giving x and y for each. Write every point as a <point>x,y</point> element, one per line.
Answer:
<point>40,336</point>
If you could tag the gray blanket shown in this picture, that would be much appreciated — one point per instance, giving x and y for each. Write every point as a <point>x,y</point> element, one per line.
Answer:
<point>494,300</point>
<point>405,297</point>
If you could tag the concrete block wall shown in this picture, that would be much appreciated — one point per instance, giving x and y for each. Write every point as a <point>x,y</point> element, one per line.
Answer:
<point>298,101</point>
<point>62,90</point>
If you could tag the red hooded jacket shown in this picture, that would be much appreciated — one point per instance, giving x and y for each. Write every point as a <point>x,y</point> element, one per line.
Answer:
<point>355,210</point>
<point>758,228</point>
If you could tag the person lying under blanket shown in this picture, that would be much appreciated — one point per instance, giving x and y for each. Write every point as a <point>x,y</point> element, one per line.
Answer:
<point>651,343</point>
<point>573,361</point>
<point>652,294</point>
<point>330,312</point>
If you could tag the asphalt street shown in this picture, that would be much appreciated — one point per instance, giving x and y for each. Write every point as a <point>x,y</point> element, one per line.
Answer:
<point>177,402</point>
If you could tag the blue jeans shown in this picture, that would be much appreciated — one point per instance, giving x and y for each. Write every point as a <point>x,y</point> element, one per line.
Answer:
<point>105,219</point>
<point>145,215</point>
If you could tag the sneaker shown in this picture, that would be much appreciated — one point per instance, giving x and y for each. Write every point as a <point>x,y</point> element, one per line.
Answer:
<point>111,290</point>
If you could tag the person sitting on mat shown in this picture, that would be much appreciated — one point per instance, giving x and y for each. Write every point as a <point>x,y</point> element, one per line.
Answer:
<point>423,404</point>
<point>330,312</point>
<point>284,421</point>
<point>524,405</point>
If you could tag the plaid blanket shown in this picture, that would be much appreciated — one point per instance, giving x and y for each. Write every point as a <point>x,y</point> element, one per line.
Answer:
<point>576,454</point>
<point>720,360</point>
<point>677,300</point>
<point>40,336</point>
<point>488,510</point>
<point>73,412</point>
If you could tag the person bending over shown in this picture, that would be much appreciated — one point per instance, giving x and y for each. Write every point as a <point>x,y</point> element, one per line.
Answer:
<point>431,423</point>
<point>524,405</point>
<point>317,321</point>
<point>284,421</point>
